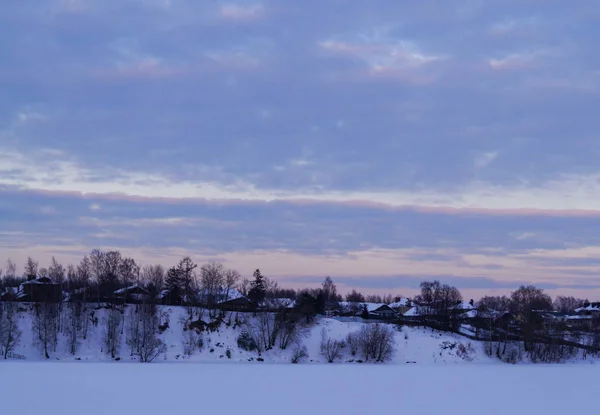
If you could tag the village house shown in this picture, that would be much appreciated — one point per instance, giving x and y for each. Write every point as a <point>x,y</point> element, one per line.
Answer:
<point>134,294</point>
<point>40,290</point>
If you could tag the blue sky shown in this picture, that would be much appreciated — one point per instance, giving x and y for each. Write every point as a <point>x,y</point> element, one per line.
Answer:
<point>378,142</point>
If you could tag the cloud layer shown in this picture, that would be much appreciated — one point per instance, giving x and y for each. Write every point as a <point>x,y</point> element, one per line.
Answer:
<point>453,139</point>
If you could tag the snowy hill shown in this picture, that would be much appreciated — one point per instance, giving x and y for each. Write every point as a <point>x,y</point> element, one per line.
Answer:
<point>412,345</point>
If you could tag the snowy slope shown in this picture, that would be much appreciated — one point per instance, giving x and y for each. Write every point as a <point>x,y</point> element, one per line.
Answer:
<point>413,345</point>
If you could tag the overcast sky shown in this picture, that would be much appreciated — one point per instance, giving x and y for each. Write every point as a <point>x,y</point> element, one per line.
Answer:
<point>380,142</point>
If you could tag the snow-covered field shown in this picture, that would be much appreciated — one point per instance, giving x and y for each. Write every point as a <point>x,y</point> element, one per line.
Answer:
<point>260,388</point>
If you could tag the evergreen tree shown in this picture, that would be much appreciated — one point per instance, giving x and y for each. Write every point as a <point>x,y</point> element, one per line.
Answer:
<point>258,288</point>
<point>173,281</point>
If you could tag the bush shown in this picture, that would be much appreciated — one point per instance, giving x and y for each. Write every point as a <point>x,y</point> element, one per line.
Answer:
<point>333,349</point>
<point>376,342</point>
<point>353,343</point>
<point>246,342</point>
<point>299,352</point>
<point>465,352</point>
<point>192,341</point>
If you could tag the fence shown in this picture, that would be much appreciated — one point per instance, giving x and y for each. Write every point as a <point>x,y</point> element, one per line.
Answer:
<point>12,355</point>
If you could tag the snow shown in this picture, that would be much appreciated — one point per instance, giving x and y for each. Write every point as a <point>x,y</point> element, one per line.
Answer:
<point>413,344</point>
<point>157,389</point>
<point>464,306</point>
<point>404,302</point>
<point>588,308</point>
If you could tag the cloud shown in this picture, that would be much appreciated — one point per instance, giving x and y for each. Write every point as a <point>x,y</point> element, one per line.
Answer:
<point>244,13</point>
<point>446,139</point>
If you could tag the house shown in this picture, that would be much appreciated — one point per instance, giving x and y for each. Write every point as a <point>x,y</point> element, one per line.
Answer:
<point>414,313</point>
<point>580,321</point>
<point>589,310</point>
<point>233,300</point>
<point>402,305</point>
<point>77,295</point>
<point>276,304</point>
<point>134,294</point>
<point>169,297</point>
<point>383,311</point>
<point>228,299</point>
<point>10,294</point>
<point>40,290</point>
<point>373,310</point>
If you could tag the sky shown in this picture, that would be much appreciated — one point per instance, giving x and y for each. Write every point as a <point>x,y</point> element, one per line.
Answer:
<point>381,142</point>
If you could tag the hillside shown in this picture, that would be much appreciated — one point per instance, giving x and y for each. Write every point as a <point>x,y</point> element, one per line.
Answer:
<point>412,344</point>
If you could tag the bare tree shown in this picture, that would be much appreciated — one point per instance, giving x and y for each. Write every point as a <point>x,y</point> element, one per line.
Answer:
<point>187,278</point>
<point>153,277</point>
<point>377,342</point>
<point>56,272</point>
<point>142,336</point>
<point>244,287</point>
<point>10,274</point>
<point>299,352</point>
<point>267,329</point>
<point>288,328</point>
<point>31,269</point>
<point>232,278</point>
<point>355,297</point>
<point>353,342</point>
<point>331,348</point>
<point>192,341</point>
<point>10,335</point>
<point>112,331</point>
<point>566,305</point>
<point>45,326</point>
<point>74,326</point>
<point>329,290</point>
<point>212,283</point>
<point>495,303</point>
<point>129,271</point>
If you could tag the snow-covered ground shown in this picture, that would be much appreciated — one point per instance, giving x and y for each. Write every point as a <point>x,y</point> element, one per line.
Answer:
<point>33,388</point>
<point>414,345</point>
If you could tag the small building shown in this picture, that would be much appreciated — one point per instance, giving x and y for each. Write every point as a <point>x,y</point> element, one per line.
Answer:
<point>277,304</point>
<point>401,305</point>
<point>134,294</point>
<point>10,294</point>
<point>236,304</point>
<point>592,309</point>
<point>384,311</point>
<point>169,297</point>
<point>40,290</point>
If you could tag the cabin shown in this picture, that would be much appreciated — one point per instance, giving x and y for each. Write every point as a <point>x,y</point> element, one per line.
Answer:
<point>383,311</point>
<point>77,295</point>
<point>228,299</point>
<point>401,305</point>
<point>592,309</point>
<point>40,290</point>
<point>277,304</point>
<point>10,294</point>
<point>169,297</point>
<point>134,294</point>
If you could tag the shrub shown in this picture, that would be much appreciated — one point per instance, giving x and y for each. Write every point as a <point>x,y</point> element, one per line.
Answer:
<point>246,342</point>
<point>376,342</point>
<point>299,352</point>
